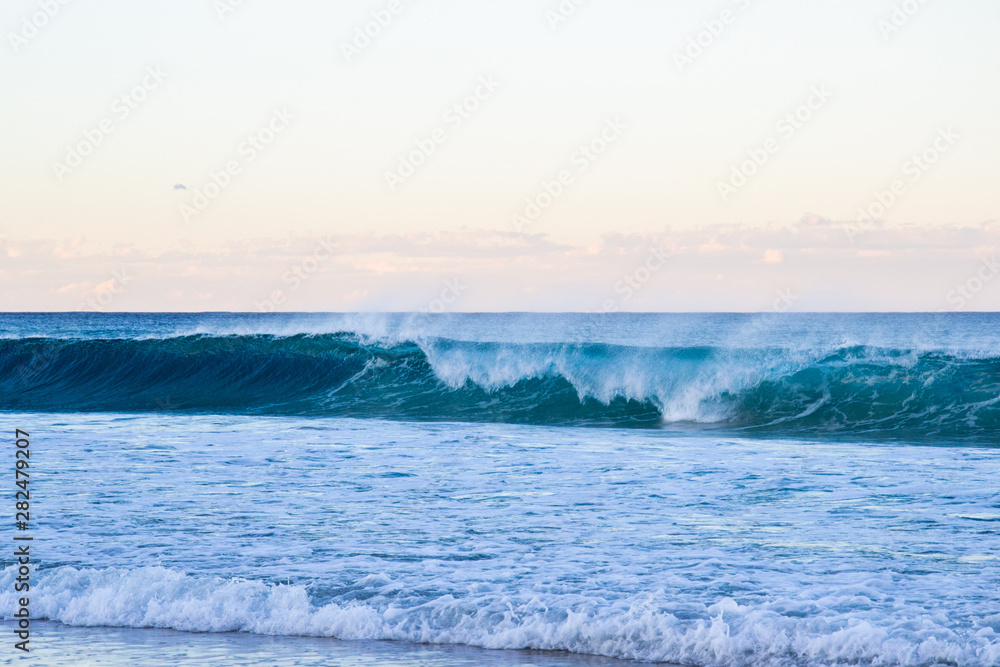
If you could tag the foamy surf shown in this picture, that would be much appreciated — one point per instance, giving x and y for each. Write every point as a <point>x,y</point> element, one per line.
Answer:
<point>780,632</point>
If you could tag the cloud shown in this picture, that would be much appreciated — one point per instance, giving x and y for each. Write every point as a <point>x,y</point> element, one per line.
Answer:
<point>774,257</point>
<point>816,220</point>
<point>107,285</point>
<point>718,268</point>
<point>69,249</point>
<point>74,288</point>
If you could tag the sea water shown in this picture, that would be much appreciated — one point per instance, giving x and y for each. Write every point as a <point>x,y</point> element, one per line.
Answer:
<point>701,490</point>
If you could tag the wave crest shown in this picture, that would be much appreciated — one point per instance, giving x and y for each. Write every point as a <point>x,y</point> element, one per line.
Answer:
<point>860,390</point>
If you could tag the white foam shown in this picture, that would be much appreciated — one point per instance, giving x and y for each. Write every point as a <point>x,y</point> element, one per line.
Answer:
<point>726,633</point>
<point>684,390</point>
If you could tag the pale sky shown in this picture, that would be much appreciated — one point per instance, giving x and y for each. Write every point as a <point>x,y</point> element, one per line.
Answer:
<point>100,202</point>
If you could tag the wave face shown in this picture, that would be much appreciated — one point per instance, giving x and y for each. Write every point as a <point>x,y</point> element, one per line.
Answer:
<point>852,389</point>
<point>781,633</point>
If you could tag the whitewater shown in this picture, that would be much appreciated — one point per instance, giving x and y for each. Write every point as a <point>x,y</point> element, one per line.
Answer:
<point>689,489</point>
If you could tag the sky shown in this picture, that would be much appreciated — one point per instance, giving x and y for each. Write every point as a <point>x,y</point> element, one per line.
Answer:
<point>474,155</point>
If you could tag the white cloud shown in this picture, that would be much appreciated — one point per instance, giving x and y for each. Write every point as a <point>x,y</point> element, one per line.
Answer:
<point>897,268</point>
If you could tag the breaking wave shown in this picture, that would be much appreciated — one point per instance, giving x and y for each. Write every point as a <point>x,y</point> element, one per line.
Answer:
<point>863,390</point>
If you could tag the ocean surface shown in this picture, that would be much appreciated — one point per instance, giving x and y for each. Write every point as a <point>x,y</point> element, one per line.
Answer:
<point>521,489</point>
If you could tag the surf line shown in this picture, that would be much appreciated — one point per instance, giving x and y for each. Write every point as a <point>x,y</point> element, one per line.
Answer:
<point>22,552</point>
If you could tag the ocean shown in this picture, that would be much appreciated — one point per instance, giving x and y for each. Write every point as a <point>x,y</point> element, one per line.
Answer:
<point>505,489</point>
